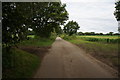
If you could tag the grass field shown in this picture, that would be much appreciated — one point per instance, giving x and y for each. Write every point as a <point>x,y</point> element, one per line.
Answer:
<point>19,64</point>
<point>102,50</point>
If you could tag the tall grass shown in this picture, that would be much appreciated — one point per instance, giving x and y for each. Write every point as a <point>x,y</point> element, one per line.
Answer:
<point>18,64</point>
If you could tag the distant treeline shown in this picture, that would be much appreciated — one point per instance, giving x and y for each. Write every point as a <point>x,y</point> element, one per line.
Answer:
<point>82,33</point>
<point>93,33</point>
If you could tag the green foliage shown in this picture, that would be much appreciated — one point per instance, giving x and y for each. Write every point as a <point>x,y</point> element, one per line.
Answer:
<point>13,24</point>
<point>67,37</point>
<point>31,36</point>
<point>89,33</point>
<point>117,11</point>
<point>103,51</point>
<point>38,41</point>
<point>53,35</point>
<point>71,28</point>
<point>80,33</point>
<point>93,33</point>
<point>58,30</point>
<point>110,33</point>
<point>47,17</point>
<point>42,18</point>
<point>18,64</point>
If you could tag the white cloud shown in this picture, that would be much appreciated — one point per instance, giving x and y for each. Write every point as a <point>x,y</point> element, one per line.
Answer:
<point>65,1</point>
<point>93,16</point>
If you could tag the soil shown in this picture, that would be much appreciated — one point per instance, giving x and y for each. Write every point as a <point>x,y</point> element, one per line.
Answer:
<point>99,57</point>
<point>39,51</point>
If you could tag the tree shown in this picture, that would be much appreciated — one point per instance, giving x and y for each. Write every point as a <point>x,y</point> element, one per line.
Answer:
<point>58,30</point>
<point>48,16</point>
<point>87,33</point>
<point>116,34</point>
<point>71,28</point>
<point>13,27</point>
<point>110,33</point>
<point>117,13</point>
<point>80,33</point>
<point>42,18</point>
<point>92,33</point>
<point>101,33</point>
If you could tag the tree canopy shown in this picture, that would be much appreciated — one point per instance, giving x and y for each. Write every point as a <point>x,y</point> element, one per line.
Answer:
<point>117,11</point>
<point>48,16</point>
<point>41,17</point>
<point>71,28</point>
<point>13,27</point>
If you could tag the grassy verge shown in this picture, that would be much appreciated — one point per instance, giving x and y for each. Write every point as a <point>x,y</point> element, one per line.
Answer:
<point>37,42</point>
<point>108,53</point>
<point>19,64</point>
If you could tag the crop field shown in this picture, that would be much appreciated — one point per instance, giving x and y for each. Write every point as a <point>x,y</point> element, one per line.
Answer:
<point>103,39</point>
<point>97,36</point>
<point>104,48</point>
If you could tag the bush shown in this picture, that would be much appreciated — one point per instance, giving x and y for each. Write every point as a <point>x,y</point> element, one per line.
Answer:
<point>66,37</point>
<point>53,36</point>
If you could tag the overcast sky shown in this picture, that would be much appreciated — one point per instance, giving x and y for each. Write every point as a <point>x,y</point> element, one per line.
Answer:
<point>93,15</point>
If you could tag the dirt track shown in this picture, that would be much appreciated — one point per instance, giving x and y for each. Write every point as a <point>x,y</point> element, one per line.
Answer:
<point>66,60</point>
